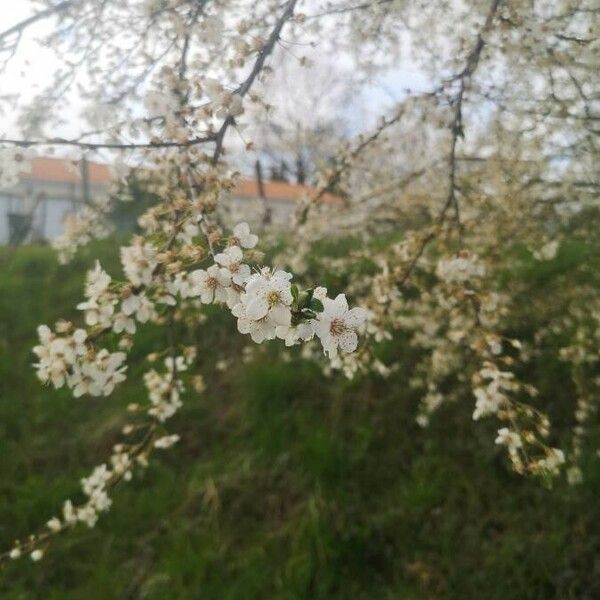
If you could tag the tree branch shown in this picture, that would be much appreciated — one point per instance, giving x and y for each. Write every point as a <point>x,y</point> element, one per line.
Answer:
<point>456,130</point>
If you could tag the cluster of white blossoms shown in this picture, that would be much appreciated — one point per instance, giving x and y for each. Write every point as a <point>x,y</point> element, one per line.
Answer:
<point>96,489</point>
<point>164,396</point>
<point>164,391</point>
<point>79,229</point>
<point>65,358</point>
<point>528,427</point>
<point>510,439</point>
<point>182,134</point>
<point>271,307</point>
<point>267,306</point>
<point>224,103</point>
<point>265,302</point>
<point>491,394</point>
<point>460,269</point>
<point>552,462</point>
<point>548,251</point>
<point>139,262</point>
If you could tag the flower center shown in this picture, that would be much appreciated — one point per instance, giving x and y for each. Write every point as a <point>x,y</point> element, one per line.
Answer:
<point>337,327</point>
<point>273,297</point>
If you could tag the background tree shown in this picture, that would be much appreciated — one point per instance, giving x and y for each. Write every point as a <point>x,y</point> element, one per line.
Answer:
<point>494,156</point>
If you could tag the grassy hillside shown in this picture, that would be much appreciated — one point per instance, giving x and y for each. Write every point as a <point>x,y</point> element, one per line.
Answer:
<point>286,484</point>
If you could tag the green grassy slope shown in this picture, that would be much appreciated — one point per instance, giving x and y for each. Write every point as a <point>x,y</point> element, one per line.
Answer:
<point>286,485</point>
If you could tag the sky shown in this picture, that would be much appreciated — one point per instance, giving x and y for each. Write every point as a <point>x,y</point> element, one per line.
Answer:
<point>30,71</point>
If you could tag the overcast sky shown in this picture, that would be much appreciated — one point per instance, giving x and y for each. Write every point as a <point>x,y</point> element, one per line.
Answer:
<point>30,71</point>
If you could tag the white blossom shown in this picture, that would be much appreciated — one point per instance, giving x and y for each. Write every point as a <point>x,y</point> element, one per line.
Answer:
<point>243,237</point>
<point>139,262</point>
<point>139,306</point>
<point>337,325</point>
<point>37,555</point>
<point>210,284</point>
<point>231,259</point>
<point>54,524</point>
<point>166,441</point>
<point>97,282</point>
<point>265,305</point>
<point>460,269</point>
<point>509,438</point>
<point>548,251</point>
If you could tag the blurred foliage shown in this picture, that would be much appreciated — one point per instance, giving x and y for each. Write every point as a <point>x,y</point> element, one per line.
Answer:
<point>286,484</point>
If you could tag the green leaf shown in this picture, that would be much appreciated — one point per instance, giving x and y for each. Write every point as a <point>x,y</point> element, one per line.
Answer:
<point>317,305</point>
<point>295,292</point>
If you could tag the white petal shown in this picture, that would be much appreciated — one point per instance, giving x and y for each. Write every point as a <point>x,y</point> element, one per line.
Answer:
<point>348,341</point>
<point>356,317</point>
<point>241,230</point>
<point>257,308</point>
<point>280,315</point>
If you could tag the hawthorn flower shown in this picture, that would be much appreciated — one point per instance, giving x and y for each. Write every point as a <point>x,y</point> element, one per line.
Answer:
<point>110,370</point>
<point>554,459</point>
<point>83,381</point>
<point>231,259</point>
<point>97,480</point>
<point>259,330</point>
<point>69,514</point>
<point>460,269</point>
<point>54,524</point>
<point>178,364</point>
<point>509,438</point>
<point>547,251</point>
<point>79,229</point>
<point>210,284</point>
<point>139,262</point>
<point>122,322</point>
<point>58,354</point>
<point>99,376</point>
<point>491,396</point>
<point>269,294</point>
<point>95,488</point>
<point>234,295</point>
<point>121,464</point>
<point>138,305</point>
<point>188,233</point>
<point>336,326</point>
<point>164,394</point>
<point>265,305</point>
<point>166,441</point>
<point>98,311</point>
<point>97,281</point>
<point>243,237</point>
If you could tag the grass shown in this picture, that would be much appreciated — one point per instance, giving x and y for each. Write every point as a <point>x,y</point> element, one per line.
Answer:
<point>286,484</point>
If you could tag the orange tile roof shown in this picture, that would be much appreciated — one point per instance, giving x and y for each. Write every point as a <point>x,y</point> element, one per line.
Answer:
<point>66,171</point>
<point>281,190</point>
<point>69,171</point>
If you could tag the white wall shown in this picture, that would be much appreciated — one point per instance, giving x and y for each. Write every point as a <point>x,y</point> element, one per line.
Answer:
<point>55,201</point>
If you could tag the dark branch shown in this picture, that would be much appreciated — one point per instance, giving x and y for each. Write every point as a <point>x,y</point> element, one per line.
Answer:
<point>22,25</point>
<point>456,130</point>
<point>245,87</point>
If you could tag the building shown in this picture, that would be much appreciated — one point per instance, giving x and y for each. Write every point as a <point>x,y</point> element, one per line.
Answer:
<point>34,209</point>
